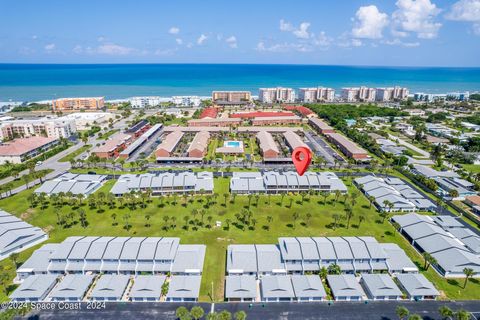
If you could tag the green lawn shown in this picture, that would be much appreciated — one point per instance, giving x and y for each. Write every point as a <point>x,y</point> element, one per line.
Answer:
<point>473,168</point>
<point>217,239</point>
<point>75,153</point>
<point>20,182</point>
<point>108,134</point>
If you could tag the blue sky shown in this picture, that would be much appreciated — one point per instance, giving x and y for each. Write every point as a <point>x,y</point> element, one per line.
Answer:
<point>397,33</point>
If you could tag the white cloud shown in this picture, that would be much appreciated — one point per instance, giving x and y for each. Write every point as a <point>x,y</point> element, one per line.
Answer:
<point>174,30</point>
<point>106,49</point>
<point>398,42</point>
<point>322,40</point>
<point>416,16</point>
<point>164,52</point>
<point>179,41</point>
<point>232,42</point>
<point>369,23</point>
<point>301,32</point>
<point>101,39</point>
<point>283,47</point>
<point>114,49</point>
<point>49,47</point>
<point>466,10</point>
<point>201,39</point>
<point>34,37</point>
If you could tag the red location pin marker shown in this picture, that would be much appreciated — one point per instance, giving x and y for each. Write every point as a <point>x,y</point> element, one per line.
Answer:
<point>301,157</point>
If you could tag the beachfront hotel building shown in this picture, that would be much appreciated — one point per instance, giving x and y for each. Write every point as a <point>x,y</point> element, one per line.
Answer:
<point>320,94</point>
<point>391,94</point>
<point>22,149</point>
<point>231,96</point>
<point>89,103</point>
<point>144,102</point>
<point>186,101</point>
<point>363,94</point>
<point>278,94</point>
<point>47,127</point>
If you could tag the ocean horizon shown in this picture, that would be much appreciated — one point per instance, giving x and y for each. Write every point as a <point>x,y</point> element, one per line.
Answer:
<point>36,82</point>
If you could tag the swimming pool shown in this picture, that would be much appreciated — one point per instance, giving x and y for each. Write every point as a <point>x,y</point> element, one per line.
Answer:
<point>233,144</point>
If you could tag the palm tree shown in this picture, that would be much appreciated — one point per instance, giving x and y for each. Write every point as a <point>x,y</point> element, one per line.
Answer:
<point>361,218</point>
<point>429,259</point>
<point>462,315</point>
<point>371,199</point>
<point>308,216</point>
<point>334,269</point>
<point>348,214</point>
<point>181,312</point>
<point>197,312</point>
<point>225,197</point>
<point>446,312</point>
<point>402,312</point>
<point>337,195</point>
<point>295,216</point>
<point>468,272</point>
<point>336,218</point>
<point>415,317</point>
<point>240,315</point>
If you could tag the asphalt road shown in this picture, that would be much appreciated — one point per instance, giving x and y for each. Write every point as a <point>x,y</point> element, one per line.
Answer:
<point>374,310</point>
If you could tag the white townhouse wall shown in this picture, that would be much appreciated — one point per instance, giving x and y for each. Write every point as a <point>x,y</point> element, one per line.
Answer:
<point>187,101</point>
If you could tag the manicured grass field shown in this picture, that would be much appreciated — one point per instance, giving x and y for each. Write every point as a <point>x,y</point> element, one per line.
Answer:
<point>473,168</point>
<point>75,153</point>
<point>101,223</point>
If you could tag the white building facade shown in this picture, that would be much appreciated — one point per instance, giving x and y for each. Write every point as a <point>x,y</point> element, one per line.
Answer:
<point>309,95</point>
<point>279,94</point>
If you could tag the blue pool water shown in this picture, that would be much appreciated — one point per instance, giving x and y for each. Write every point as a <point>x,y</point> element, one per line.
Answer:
<point>233,144</point>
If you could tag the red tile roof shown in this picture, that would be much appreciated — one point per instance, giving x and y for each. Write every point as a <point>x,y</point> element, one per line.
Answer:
<point>249,115</point>
<point>303,110</point>
<point>21,146</point>
<point>209,113</point>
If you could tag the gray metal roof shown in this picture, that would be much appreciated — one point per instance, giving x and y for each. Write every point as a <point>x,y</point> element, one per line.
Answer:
<point>373,247</point>
<point>189,258</point>
<point>472,243</point>
<point>147,286</point>
<point>110,286</point>
<point>277,287</point>
<point>74,183</point>
<point>39,260</point>
<point>241,258</point>
<point>64,249</point>
<point>308,286</point>
<point>344,285</point>
<point>438,242</point>
<point>325,248</point>
<point>114,248</point>
<point>35,287</point>
<point>358,248</point>
<point>380,285</point>
<point>167,248</point>
<point>148,248</point>
<point>447,222</point>
<point>81,247</point>
<point>269,258</point>
<point>397,259</point>
<point>342,249</point>
<point>240,286</point>
<point>184,287</point>
<point>424,229</point>
<point>290,249</point>
<point>17,235</point>
<point>309,248</point>
<point>415,284</point>
<point>410,219</point>
<point>72,286</point>
<point>97,248</point>
<point>455,260</point>
<point>131,248</point>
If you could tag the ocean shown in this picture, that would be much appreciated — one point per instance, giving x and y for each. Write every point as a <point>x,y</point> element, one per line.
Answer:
<point>34,82</point>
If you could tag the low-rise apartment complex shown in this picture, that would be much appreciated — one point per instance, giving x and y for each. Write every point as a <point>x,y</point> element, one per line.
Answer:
<point>22,149</point>
<point>90,103</point>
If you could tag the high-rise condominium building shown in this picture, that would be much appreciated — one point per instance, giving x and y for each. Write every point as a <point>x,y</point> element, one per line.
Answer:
<point>279,94</point>
<point>358,94</point>
<point>391,93</point>
<point>310,95</point>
